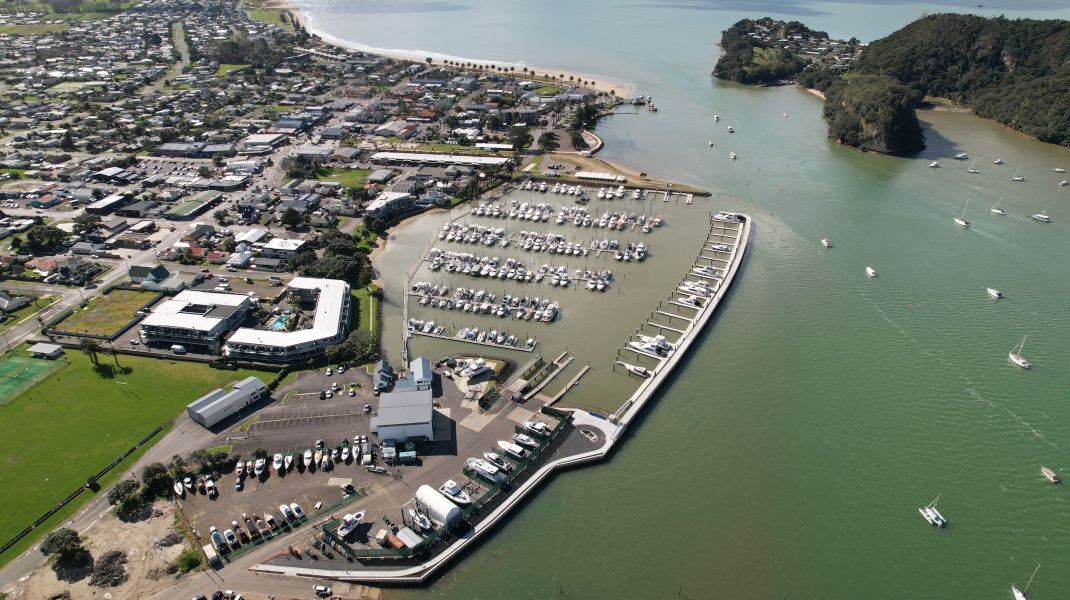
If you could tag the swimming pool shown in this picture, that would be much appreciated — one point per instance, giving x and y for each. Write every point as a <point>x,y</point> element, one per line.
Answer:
<point>280,322</point>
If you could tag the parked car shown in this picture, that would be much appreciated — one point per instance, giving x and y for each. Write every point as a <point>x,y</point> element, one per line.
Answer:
<point>367,408</point>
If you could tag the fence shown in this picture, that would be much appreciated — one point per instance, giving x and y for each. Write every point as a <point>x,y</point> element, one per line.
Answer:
<point>91,481</point>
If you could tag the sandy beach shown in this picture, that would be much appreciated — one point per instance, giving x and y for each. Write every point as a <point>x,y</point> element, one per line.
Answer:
<point>624,89</point>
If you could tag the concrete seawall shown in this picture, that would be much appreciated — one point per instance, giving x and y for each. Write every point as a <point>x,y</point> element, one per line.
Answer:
<point>610,431</point>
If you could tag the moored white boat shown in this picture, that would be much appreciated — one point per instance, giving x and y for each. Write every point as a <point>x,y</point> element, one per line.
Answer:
<point>1042,217</point>
<point>1049,474</point>
<point>513,450</point>
<point>1016,357</point>
<point>350,522</point>
<point>276,463</point>
<point>994,293</point>
<point>826,242</point>
<point>871,271</point>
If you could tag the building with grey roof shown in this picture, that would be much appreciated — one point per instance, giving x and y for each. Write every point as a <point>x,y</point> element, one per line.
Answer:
<point>404,415</point>
<point>219,404</point>
<point>195,318</point>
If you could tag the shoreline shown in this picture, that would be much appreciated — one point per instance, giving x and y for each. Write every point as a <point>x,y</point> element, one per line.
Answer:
<point>624,89</point>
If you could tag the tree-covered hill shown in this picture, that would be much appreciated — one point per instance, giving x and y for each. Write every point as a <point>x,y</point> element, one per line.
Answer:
<point>750,52</point>
<point>1014,71</point>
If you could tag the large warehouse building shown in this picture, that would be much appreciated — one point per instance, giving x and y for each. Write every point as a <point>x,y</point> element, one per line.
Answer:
<point>404,414</point>
<point>219,404</point>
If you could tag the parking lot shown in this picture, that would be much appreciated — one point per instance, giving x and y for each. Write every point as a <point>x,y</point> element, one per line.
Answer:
<point>299,418</point>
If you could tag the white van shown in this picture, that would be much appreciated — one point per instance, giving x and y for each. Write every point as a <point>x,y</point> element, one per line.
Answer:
<point>178,349</point>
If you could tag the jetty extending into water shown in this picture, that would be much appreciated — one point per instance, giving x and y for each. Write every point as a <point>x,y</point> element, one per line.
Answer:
<point>606,432</point>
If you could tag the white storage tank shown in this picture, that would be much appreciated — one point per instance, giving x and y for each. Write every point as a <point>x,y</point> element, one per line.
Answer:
<point>438,508</point>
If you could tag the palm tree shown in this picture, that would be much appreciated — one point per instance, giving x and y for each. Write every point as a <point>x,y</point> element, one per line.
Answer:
<point>571,77</point>
<point>90,347</point>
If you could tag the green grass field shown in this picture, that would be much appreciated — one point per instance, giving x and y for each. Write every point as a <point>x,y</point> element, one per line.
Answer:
<point>38,29</point>
<point>106,314</point>
<point>347,177</point>
<point>271,16</point>
<point>367,305</point>
<point>77,420</point>
<point>548,89</point>
<point>224,70</point>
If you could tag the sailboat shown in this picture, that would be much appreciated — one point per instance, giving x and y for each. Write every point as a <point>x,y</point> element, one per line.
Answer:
<point>1020,594</point>
<point>972,168</point>
<point>995,207</point>
<point>932,515</point>
<point>961,220</point>
<point>1018,177</point>
<point>1015,355</point>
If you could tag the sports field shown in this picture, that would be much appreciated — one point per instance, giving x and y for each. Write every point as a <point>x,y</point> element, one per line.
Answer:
<point>20,372</point>
<point>80,417</point>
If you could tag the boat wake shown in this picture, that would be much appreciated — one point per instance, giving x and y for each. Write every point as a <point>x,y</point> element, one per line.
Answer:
<point>971,388</point>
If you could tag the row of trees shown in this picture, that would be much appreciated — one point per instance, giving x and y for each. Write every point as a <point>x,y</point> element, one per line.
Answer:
<point>512,70</point>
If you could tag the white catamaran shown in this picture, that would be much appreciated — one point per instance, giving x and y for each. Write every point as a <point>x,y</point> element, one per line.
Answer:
<point>1016,357</point>
<point>932,515</point>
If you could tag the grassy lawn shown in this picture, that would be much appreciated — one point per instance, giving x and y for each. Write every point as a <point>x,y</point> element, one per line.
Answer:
<point>106,314</point>
<point>347,177</point>
<point>14,318</point>
<point>764,56</point>
<point>224,70</point>
<point>367,238</point>
<point>548,89</point>
<point>38,29</point>
<point>272,16</point>
<point>102,420</point>
<point>366,312</point>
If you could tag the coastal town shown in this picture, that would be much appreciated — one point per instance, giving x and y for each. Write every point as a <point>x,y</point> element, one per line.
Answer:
<point>194,197</point>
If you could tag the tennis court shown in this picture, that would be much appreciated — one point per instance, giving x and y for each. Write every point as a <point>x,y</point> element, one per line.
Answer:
<point>18,373</point>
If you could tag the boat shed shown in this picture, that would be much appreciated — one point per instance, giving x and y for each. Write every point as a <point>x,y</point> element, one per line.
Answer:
<point>384,376</point>
<point>420,373</point>
<point>404,415</point>
<point>213,407</point>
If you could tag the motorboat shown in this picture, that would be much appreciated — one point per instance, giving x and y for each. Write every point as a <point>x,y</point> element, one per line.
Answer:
<point>871,271</point>
<point>512,449</point>
<point>524,440</point>
<point>258,467</point>
<point>307,458</point>
<point>998,161</point>
<point>495,459</point>
<point>994,293</point>
<point>1043,218</point>
<point>730,130</point>
<point>1058,170</point>
<point>317,457</point>
<point>732,155</point>
<point>288,462</point>
<point>239,469</point>
<point>638,370</point>
<point>1049,474</point>
<point>1016,357</point>
<point>484,469</point>
<point>180,490</point>
<point>932,515</point>
<point>537,426</point>
<point>276,463</point>
<point>350,522</point>
<point>188,484</point>
<point>345,454</point>
<point>454,492</point>
<point>826,242</point>
<point>420,520</point>
<point>934,164</point>
<point>962,156</point>
<point>476,367</point>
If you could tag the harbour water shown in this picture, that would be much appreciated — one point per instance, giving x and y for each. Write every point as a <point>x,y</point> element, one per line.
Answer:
<point>822,407</point>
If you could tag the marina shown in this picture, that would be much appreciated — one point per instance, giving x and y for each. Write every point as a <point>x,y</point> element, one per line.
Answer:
<point>600,434</point>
